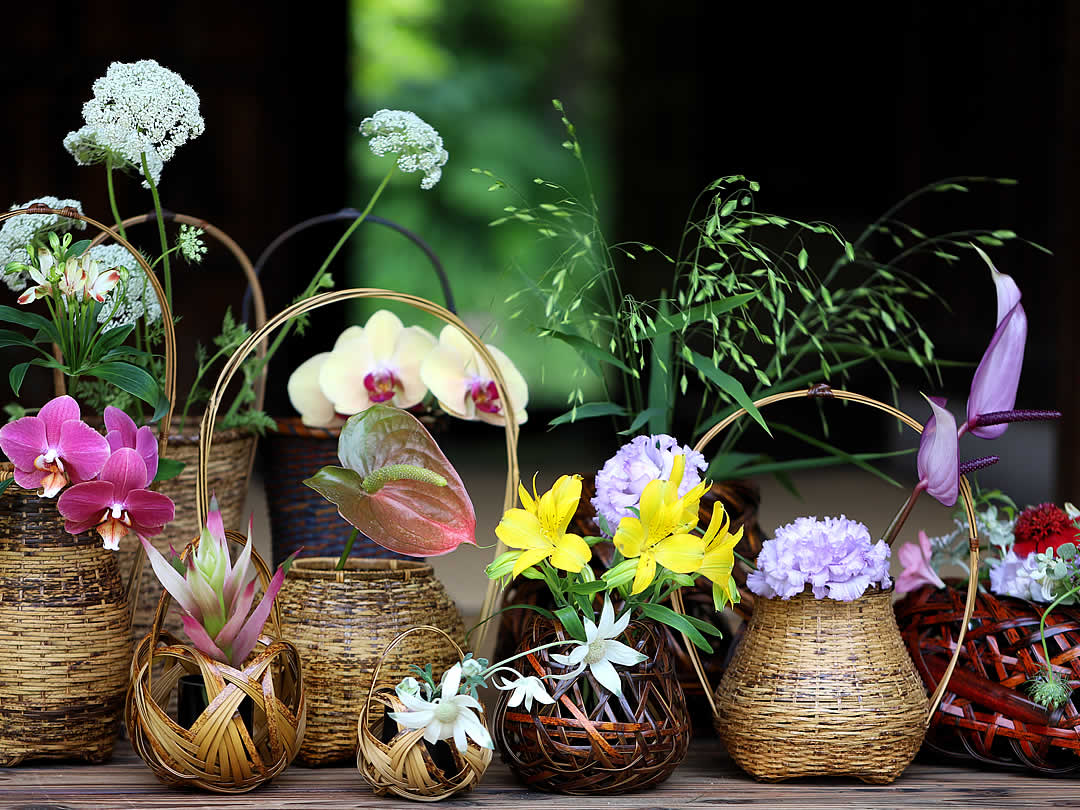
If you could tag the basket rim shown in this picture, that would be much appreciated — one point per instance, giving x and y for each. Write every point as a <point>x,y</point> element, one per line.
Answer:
<point>294,426</point>
<point>359,569</point>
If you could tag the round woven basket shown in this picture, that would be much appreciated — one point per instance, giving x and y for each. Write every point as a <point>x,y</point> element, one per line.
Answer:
<point>342,621</point>
<point>218,753</point>
<point>986,716</point>
<point>823,687</point>
<point>590,742</point>
<point>400,761</point>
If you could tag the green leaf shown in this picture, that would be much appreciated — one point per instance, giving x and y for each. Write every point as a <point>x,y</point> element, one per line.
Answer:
<point>112,338</point>
<point>729,385</point>
<point>9,337</point>
<point>572,622</point>
<point>802,258</point>
<point>588,587</point>
<point>30,320</point>
<point>661,396</point>
<point>77,249</point>
<point>676,621</point>
<point>589,410</point>
<point>837,452</point>
<point>168,468</point>
<point>702,312</point>
<point>5,484</point>
<point>592,354</point>
<point>16,375</point>
<point>128,378</point>
<point>641,419</point>
<point>778,468</point>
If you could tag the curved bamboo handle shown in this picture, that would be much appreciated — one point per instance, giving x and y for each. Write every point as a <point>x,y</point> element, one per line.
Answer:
<point>234,362</point>
<point>825,392</point>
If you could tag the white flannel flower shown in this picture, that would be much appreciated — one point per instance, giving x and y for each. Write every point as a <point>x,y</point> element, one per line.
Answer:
<point>133,298</point>
<point>89,147</point>
<point>405,134</point>
<point>473,667</point>
<point>524,689</point>
<point>451,716</point>
<point>408,686</point>
<point>600,651</point>
<point>16,233</point>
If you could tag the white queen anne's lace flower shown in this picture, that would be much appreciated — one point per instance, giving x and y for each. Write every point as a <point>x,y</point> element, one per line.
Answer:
<point>17,232</point>
<point>89,148</point>
<point>405,134</point>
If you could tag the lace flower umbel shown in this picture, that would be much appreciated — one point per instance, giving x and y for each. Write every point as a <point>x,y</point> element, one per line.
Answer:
<point>416,143</point>
<point>835,557</point>
<point>17,232</point>
<point>133,297</point>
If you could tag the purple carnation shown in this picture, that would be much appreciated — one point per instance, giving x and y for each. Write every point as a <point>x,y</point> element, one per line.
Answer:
<point>1015,576</point>
<point>620,483</point>
<point>835,557</point>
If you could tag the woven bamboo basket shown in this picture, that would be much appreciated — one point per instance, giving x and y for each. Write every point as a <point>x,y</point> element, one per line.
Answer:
<point>820,687</point>
<point>218,753</point>
<point>65,616</point>
<point>299,516</point>
<point>342,621</point>
<point>229,470</point>
<point>591,742</point>
<point>400,761</point>
<point>986,717</point>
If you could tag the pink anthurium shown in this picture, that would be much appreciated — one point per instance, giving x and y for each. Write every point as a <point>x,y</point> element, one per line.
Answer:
<point>121,432</point>
<point>216,594</point>
<point>938,461</point>
<point>54,448</point>
<point>117,503</point>
<point>396,486</point>
<point>918,570</point>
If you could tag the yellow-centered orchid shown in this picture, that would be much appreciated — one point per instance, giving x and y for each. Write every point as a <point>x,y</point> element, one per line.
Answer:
<point>539,529</point>
<point>661,533</point>
<point>719,558</point>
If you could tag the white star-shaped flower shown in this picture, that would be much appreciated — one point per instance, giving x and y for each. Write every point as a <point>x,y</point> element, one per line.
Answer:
<point>600,652</point>
<point>450,716</point>
<point>524,688</point>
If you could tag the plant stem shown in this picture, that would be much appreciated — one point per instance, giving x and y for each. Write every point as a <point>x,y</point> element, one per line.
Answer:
<point>161,232</point>
<point>348,550</point>
<point>112,197</point>
<point>1042,625</point>
<point>901,516</point>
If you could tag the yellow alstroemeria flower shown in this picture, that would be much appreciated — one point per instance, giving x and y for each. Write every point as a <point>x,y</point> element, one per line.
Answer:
<point>539,529</point>
<point>661,534</point>
<point>719,559</point>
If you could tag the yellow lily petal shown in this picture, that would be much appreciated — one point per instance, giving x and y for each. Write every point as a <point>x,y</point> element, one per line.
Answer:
<point>571,553</point>
<point>719,557</point>
<point>528,502</point>
<point>681,553</point>
<point>629,537</point>
<point>678,467</point>
<point>651,508</point>
<point>530,558</point>
<point>718,523</point>
<point>646,570</point>
<point>521,529</point>
<point>558,504</point>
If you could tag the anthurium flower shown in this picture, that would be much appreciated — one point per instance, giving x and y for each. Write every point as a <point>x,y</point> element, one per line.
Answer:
<point>719,558</point>
<point>41,276</point>
<point>937,462</point>
<point>54,448</point>
<point>464,385</point>
<point>376,363</point>
<point>448,717</point>
<point>216,594</point>
<point>307,397</point>
<point>661,534</point>
<point>917,568</point>
<point>122,432</point>
<point>600,651</point>
<point>117,503</point>
<point>539,529</point>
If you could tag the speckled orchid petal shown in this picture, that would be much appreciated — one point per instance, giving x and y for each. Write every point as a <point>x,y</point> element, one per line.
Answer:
<point>937,462</point>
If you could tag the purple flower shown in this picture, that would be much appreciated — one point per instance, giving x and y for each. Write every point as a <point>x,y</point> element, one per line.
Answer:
<point>1013,576</point>
<point>835,557</point>
<point>623,478</point>
<point>938,463</point>
<point>918,566</point>
<point>121,432</point>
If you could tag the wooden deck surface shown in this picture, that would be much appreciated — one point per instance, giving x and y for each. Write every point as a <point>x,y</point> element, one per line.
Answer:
<point>707,778</point>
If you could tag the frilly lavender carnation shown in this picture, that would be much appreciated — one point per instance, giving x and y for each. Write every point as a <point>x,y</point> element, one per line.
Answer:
<point>620,483</point>
<point>405,134</point>
<point>1014,575</point>
<point>835,557</point>
<point>17,232</point>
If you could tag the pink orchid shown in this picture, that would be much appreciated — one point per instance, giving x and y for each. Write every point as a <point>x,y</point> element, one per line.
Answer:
<point>117,503</point>
<point>917,568</point>
<point>122,432</point>
<point>216,594</point>
<point>938,462</point>
<point>54,448</point>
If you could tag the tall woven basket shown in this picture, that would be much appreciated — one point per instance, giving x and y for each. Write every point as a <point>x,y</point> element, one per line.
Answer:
<point>342,620</point>
<point>65,614</point>
<point>299,516</point>
<point>822,687</point>
<point>229,470</point>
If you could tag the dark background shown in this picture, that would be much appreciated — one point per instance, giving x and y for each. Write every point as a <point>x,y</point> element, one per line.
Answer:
<point>837,114</point>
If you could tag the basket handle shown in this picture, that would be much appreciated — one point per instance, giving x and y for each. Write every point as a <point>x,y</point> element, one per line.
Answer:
<point>823,391</point>
<point>233,364</point>
<point>135,575</point>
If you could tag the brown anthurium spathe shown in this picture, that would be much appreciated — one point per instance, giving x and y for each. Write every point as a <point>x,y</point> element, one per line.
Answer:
<point>396,486</point>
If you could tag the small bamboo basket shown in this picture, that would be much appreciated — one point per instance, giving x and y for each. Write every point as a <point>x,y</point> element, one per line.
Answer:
<point>819,687</point>
<point>65,616</point>
<point>402,762</point>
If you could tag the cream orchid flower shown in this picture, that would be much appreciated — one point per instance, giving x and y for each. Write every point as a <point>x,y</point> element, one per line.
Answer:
<point>450,716</point>
<point>464,385</point>
<point>376,363</point>
<point>307,397</point>
<point>600,651</point>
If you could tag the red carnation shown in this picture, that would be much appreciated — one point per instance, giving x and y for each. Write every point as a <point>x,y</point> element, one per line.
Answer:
<point>1043,527</point>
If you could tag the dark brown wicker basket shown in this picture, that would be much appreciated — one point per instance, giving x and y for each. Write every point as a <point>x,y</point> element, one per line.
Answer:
<point>986,716</point>
<point>591,742</point>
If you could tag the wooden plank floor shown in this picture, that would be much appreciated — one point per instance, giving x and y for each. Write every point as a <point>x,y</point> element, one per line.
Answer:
<point>707,778</point>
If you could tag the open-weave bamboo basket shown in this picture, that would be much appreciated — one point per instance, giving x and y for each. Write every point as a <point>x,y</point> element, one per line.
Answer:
<point>822,687</point>
<point>229,470</point>
<point>217,753</point>
<point>402,762</point>
<point>65,616</point>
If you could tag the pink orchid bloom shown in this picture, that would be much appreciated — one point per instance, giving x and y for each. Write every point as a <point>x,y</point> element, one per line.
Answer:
<point>464,385</point>
<point>54,448</point>
<point>122,432</point>
<point>993,389</point>
<point>216,594</point>
<point>98,283</point>
<point>117,503</point>
<point>40,275</point>
<point>938,461</point>
<point>917,568</point>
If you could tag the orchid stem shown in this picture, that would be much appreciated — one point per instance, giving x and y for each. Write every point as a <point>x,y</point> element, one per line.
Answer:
<point>902,516</point>
<point>348,550</point>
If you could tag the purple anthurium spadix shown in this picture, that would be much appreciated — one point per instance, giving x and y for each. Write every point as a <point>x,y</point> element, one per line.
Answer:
<point>216,594</point>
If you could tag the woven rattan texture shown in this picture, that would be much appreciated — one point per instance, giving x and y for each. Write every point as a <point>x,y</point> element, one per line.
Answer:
<point>591,742</point>
<point>341,621</point>
<point>64,649</point>
<point>301,518</point>
<point>399,761</point>
<point>228,471</point>
<point>819,686</point>
<point>986,716</point>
